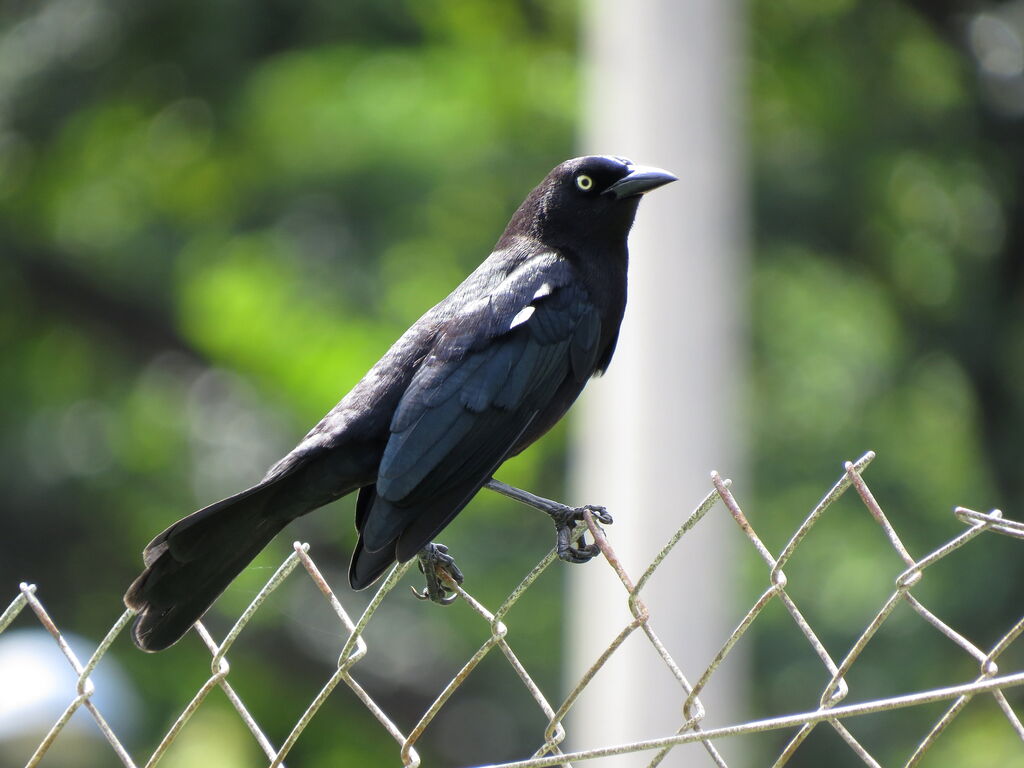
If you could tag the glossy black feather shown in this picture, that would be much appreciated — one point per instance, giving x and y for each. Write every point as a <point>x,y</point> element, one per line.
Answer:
<point>516,366</point>
<point>475,380</point>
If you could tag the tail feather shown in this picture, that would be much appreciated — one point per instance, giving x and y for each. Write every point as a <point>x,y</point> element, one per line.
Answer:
<point>366,567</point>
<point>191,563</point>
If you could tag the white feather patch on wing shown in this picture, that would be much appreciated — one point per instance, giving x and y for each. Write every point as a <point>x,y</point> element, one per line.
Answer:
<point>522,316</point>
<point>544,290</point>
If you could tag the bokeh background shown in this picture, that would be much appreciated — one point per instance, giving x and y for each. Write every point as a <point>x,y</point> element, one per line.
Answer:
<point>214,217</point>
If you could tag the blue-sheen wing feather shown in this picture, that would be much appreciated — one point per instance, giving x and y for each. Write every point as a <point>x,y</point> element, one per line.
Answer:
<point>494,367</point>
<point>584,344</point>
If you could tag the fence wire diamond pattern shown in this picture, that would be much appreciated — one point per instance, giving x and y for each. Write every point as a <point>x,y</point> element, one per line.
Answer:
<point>831,710</point>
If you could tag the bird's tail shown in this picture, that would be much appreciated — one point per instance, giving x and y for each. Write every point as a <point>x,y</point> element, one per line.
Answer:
<point>193,561</point>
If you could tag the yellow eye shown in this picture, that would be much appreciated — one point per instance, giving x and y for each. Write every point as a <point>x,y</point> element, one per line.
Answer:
<point>584,182</point>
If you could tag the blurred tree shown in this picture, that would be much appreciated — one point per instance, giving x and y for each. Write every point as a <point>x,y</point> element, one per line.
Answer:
<point>215,217</point>
<point>888,315</point>
<point>988,332</point>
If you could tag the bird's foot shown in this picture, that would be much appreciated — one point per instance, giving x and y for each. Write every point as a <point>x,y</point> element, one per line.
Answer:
<point>566,519</point>
<point>434,560</point>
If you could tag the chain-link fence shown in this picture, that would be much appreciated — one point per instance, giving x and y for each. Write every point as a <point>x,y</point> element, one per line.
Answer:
<point>908,573</point>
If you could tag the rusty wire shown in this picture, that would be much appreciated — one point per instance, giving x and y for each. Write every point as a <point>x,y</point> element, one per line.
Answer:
<point>831,709</point>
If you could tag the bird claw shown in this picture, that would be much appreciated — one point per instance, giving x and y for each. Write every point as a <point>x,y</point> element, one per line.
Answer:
<point>435,563</point>
<point>564,515</point>
<point>600,514</point>
<point>566,519</point>
<point>424,594</point>
<point>582,554</point>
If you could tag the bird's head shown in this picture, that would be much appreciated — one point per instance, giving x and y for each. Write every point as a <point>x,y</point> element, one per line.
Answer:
<point>587,201</point>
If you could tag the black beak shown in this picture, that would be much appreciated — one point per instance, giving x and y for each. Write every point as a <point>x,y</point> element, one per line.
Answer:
<point>642,179</point>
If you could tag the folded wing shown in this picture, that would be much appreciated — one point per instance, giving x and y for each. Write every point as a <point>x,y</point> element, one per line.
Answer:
<point>496,365</point>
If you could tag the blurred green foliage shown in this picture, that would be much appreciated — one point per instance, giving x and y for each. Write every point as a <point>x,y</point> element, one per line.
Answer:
<point>887,315</point>
<point>215,217</point>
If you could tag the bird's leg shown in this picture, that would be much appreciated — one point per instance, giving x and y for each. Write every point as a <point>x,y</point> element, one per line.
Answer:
<point>431,559</point>
<point>564,517</point>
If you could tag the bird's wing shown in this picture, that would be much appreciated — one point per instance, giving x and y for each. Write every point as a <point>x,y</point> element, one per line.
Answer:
<point>495,365</point>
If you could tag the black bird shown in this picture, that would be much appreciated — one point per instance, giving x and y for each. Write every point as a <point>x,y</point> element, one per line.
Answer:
<point>474,381</point>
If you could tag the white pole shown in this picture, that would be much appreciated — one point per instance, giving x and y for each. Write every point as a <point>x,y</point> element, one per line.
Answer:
<point>663,86</point>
